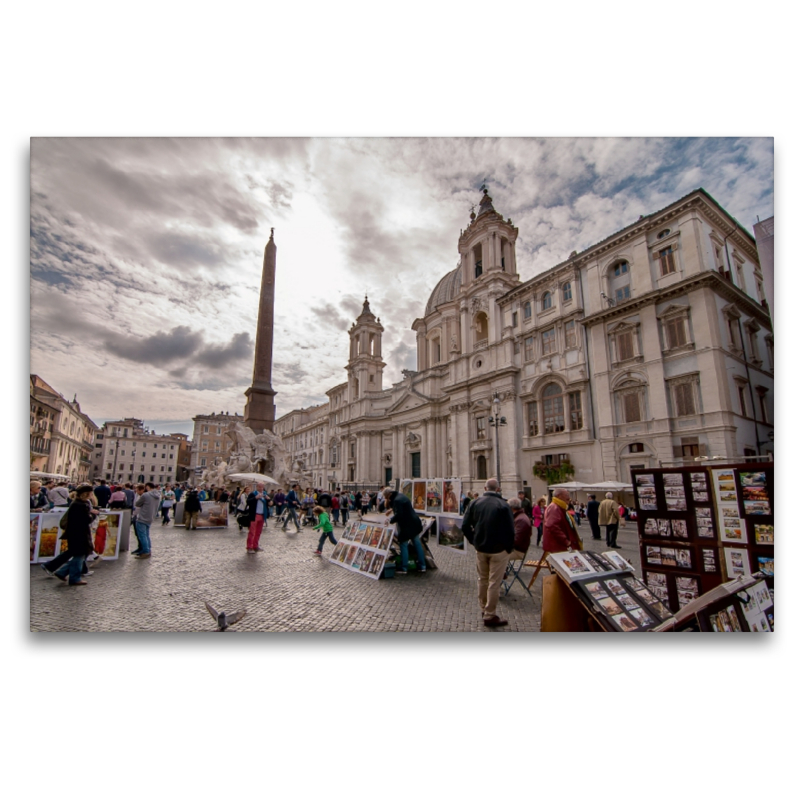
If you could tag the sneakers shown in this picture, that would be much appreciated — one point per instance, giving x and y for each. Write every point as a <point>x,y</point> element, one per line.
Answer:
<point>90,572</point>
<point>251,552</point>
<point>422,570</point>
<point>47,571</point>
<point>143,555</point>
<point>318,552</point>
<point>401,572</point>
<point>136,552</point>
<point>79,583</point>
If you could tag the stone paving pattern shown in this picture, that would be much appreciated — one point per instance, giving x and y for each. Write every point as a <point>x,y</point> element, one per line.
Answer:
<point>284,588</point>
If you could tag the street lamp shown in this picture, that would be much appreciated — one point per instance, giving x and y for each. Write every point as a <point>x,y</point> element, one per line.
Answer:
<point>496,421</point>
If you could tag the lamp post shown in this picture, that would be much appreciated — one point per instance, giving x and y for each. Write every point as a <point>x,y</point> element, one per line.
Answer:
<point>496,421</point>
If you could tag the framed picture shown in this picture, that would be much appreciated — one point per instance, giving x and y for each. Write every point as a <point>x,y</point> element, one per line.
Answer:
<point>418,500</point>
<point>451,500</point>
<point>736,562</point>
<point>450,534</point>
<point>433,497</point>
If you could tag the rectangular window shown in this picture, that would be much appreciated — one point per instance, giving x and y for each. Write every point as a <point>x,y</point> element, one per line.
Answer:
<point>623,294</point>
<point>217,447</point>
<point>624,346</point>
<point>203,447</point>
<point>762,402</point>
<point>352,450</point>
<point>684,400</point>
<point>533,418</point>
<point>676,333</point>
<point>163,455</point>
<point>529,348</point>
<point>122,452</point>
<point>514,319</point>
<point>554,414</point>
<point>202,462</point>
<point>631,407</point>
<point>480,427</point>
<point>575,412</point>
<point>416,465</point>
<point>549,341</point>
<point>205,428</point>
<point>571,334</point>
<point>743,401</point>
<point>172,455</point>
<point>667,259</point>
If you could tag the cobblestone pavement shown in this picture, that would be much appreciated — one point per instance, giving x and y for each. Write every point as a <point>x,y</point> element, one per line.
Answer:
<point>284,588</point>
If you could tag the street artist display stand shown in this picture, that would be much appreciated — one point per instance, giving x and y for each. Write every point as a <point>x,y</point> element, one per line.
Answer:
<point>699,526</point>
<point>589,592</point>
<point>212,514</point>
<point>110,534</point>
<point>438,499</point>
<point>366,545</point>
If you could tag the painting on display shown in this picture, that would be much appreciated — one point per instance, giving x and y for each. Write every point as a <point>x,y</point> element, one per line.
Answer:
<point>450,533</point>
<point>418,498</point>
<point>452,497</point>
<point>433,497</point>
<point>363,548</point>
<point>406,488</point>
<point>105,535</point>
<point>212,515</point>
<point>34,531</point>
<point>48,535</point>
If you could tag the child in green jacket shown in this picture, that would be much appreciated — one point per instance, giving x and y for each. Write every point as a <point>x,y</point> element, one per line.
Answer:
<point>325,526</point>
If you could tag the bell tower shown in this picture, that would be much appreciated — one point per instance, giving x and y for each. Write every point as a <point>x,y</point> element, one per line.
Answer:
<point>487,246</point>
<point>365,367</point>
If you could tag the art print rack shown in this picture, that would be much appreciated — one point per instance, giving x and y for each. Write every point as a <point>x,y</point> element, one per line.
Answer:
<point>744,496</point>
<point>363,547</point>
<point>439,499</point>
<point>693,532</point>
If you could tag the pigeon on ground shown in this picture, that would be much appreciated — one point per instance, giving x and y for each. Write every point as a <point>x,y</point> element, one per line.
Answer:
<point>224,621</point>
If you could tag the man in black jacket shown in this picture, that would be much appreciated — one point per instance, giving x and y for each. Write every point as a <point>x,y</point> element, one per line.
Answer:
<point>592,509</point>
<point>489,527</point>
<point>409,527</point>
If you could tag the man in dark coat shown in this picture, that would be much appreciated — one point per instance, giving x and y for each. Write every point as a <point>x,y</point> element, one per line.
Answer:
<point>409,527</point>
<point>78,535</point>
<point>191,509</point>
<point>592,508</point>
<point>489,527</point>
<point>103,494</point>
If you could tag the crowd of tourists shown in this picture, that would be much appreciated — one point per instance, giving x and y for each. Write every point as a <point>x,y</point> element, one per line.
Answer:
<point>500,530</point>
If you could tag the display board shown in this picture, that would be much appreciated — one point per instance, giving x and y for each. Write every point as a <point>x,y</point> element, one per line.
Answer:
<point>47,538</point>
<point>212,514</point>
<point>433,495</point>
<point>744,498</point>
<point>363,547</point>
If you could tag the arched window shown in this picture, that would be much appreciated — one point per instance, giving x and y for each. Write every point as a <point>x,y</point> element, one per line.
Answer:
<point>526,310</point>
<point>566,291</point>
<point>621,268</point>
<point>553,407</point>
<point>481,467</point>
<point>481,328</point>
<point>547,301</point>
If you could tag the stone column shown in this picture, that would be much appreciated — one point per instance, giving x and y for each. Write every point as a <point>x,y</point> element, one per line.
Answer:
<point>259,411</point>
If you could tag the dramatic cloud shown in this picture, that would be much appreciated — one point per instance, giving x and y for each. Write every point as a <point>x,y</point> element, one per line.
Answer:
<point>146,254</point>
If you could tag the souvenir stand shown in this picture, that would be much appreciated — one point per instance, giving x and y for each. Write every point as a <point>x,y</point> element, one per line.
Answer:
<point>701,525</point>
<point>600,592</point>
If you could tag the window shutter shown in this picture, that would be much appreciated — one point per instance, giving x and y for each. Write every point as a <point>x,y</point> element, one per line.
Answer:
<point>677,451</point>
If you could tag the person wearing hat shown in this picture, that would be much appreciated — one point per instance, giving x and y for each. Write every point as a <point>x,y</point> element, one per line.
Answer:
<point>78,536</point>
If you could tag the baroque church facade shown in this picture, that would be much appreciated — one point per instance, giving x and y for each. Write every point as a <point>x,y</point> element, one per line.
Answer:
<point>653,346</point>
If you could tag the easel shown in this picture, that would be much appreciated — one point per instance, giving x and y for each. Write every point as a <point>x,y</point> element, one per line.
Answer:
<point>542,562</point>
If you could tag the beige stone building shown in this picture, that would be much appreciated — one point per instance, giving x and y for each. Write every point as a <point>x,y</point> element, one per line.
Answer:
<point>209,443</point>
<point>61,435</point>
<point>127,451</point>
<point>652,346</point>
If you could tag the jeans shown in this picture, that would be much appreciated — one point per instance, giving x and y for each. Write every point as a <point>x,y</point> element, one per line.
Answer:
<point>293,515</point>
<point>73,568</point>
<point>421,566</point>
<point>344,512</point>
<point>324,537</point>
<point>335,512</point>
<point>143,535</point>
<point>165,514</point>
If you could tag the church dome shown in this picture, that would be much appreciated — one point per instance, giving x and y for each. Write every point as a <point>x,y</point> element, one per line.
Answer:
<point>445,290</point>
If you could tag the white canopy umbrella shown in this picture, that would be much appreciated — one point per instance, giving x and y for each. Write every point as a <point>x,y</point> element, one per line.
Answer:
<point>611,486</point>
<point>52,476</point>
<point>570,486</point>
<point>251,477</point>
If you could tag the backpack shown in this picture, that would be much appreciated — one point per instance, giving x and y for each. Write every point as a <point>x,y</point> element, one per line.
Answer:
<point>62,523</point>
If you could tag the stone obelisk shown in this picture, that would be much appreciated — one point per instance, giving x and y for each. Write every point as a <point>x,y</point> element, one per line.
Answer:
<point>259,412</point>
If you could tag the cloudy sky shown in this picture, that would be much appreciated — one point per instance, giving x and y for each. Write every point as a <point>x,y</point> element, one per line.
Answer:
<point>146,253</point>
